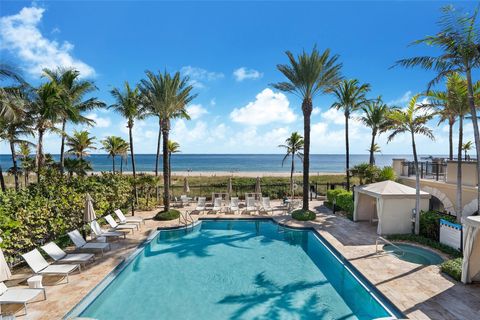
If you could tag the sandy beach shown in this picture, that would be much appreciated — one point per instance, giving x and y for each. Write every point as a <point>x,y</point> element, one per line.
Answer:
<point>249,174</point>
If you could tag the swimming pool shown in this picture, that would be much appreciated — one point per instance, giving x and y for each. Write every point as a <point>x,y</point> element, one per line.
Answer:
<point>226,269</point>
<point>413,254</point>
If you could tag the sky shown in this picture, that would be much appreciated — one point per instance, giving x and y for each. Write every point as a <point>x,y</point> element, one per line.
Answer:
<point>230,51</point>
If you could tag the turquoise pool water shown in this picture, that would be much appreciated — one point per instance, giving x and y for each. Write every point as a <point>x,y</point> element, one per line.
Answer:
<point>235,270</point>
<point>413,254</point>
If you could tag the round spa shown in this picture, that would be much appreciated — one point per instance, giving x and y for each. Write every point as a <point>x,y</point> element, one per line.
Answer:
<point>413,254</point>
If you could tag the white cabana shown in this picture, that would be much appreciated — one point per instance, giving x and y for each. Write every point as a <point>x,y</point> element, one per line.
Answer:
<point>390,203</point>
<point>471,249</point>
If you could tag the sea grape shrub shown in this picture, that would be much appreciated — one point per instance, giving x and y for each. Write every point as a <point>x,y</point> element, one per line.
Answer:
<point>343,200</point>
<point>430,224</point>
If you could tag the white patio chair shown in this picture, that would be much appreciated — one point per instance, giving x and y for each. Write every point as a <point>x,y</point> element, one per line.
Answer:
<point>120,227</point>
<point>234,205</point>
<point>184,200</point>
<point>266,207</point>
<point>19,295</point>
<point>217,205</point>
<point>82,245</point>
<point>57,254</point>
<point>39,265</point>
<point>99,232</point>
<point>250,205</point>
<point>201,204</point>
<point>124,219</point>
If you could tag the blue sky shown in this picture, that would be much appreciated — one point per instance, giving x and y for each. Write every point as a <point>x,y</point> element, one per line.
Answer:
<point>230,50</point>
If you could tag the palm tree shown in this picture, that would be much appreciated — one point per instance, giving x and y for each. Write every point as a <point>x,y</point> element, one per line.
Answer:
<point>309,75</point>
<point>28,163</point>
<point>467,146</point>
<point>173,147</point>
<point>79,143</point>
<point>375,117</point>
<point>114,146</point>
<point>411,122</point>
<point>457,42</point>
<point>128,104</point>
<point>350,96</point>
<point>78,166</point>
<point>123,153</point>
<point>71,93</point>
<point>294,146</point>
<point>167,97</point>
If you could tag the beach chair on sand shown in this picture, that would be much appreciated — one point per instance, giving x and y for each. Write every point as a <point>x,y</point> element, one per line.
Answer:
<point>217,205</point>
<point>234,206</point>
<point>99,232</point>
<point>120,227</point>
<point>83,245</point>
<point>39,265</point>
<point>266,207</point>
<point>201,204</point>
<point>19,295</point>
<point>124,219</point>
<point>57,254</point>
<point>251,205</point>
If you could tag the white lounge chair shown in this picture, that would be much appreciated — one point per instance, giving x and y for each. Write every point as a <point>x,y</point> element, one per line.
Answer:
<point>99,232</point>
<point>57,254</point>
<point>19,295</point>
<point>201,204</point>
<point>40,266</point>
<point>234,206</point>
<point>266,207</point>
<point>217,205</point>
<point>120,227</point>
<point>250,205</point>
<point>83,245</point>
<point>124,219</point>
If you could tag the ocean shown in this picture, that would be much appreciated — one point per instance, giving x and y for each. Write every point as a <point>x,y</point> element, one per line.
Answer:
<point>231,162</point>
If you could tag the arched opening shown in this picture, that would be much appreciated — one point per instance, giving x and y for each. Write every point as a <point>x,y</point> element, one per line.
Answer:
<point>436,204</point>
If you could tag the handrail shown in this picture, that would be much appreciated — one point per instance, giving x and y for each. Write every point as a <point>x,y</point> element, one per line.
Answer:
<point>187,218</point>
<point>388,242</point>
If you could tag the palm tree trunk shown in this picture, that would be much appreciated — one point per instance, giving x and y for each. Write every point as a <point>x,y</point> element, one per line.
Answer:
<point>307,111</point>
<point>372,144</point>
<point>450,140</point>
<point>417,186</point>
<point>113,163</point>
<point>62,147</point>
<point>347,149</point>
<point>158,156</point>
<point>170,168</point>
<point>291,173</point>
<point>121,164</point>
<point>2,180</point>
<point>459,170</point>
<point>476,133</point>
<point>39,153</point>
<point>166,180</point>
<point>130,135</point>
<point>15,167</point>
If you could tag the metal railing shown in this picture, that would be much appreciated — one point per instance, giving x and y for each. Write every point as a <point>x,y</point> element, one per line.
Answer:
<point>185,219</point>
<point>387,242</point>
<point>436,169</point>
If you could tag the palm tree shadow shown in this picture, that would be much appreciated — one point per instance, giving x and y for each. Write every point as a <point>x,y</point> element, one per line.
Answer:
<point>280,300</point>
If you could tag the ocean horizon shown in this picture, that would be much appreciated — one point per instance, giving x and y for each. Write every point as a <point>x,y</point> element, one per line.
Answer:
<point>322,163</point>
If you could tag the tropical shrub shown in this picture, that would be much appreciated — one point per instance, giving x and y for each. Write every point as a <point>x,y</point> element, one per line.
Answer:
<point>368,173</point>
<point>430,224</point>
<point>343,200</point>
<point>171,214</point>
<point>453,268</point>
<point>387,173</point>
<point>303,215</point>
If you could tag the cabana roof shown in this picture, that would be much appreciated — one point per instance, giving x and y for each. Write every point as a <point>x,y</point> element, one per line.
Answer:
<point>389,189</point>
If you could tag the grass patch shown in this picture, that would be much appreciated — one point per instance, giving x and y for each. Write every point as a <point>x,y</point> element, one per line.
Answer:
<point>172,214</point>
<point>302,215</point>
<point>426,242</point>
<point>453,268</point>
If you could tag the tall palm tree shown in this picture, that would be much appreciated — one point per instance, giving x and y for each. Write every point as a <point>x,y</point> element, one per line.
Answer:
<point>457,42</point>
<point>123,153</point>
<point>80,143</point>
<point>173,147</point>
<point>77,166</point>
<point>309,75</point>
<point>71,93</point>
<point>128,104</point>
<point>167,96</point>
<point>375,148</point>
<point>28,163</point>
<point>350,96</point>
<point>294,146</point>
<point>467,146</point>
<point>413,122</point>
<point>375,117</point>
<point>114,146</point>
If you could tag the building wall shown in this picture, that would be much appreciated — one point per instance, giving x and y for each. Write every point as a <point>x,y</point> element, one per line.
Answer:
<point>469,173</point>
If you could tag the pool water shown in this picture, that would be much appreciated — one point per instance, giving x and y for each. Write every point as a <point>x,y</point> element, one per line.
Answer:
<point>413,254</point>
<point>236,270</point>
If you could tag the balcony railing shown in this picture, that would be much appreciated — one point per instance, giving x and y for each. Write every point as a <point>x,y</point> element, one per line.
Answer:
<point>435,169</point>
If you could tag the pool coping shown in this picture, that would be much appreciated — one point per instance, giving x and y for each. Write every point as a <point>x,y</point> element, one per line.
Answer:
<point>389,306</point>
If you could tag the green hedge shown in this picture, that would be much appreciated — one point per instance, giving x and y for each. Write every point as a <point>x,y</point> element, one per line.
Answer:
<point>343,199</point>
<point>453,268</point>
<point>430,224</point>
<point>45,211</point>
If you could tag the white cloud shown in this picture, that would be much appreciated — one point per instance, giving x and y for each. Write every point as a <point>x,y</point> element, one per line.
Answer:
<point>182,133</point>
<point>335,116</point>
<point>243,73</point>
<point>21,36</point>
<point>213,102</point>
<point>195,111</point>
<point>268,107</point>
<point>402,100</point>
<point>316,111</point>
<point>100,122</point>
<point>198,75</point>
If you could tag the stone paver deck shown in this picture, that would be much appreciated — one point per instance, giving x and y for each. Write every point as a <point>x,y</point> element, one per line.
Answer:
<point>421,292</point>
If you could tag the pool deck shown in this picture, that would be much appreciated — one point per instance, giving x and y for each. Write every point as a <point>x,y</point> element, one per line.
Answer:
<point>420,292</point>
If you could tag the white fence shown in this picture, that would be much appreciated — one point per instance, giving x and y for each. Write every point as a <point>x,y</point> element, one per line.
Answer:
<point>451,234</point>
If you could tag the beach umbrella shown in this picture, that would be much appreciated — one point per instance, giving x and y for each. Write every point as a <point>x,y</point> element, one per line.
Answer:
<point>186,187</point>
<point>229,186</point>
<point>258,188</point>
<point>88,212</point>
<point>4,269</point>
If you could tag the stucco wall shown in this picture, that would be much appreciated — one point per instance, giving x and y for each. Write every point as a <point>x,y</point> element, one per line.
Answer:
<point>469,173</point>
